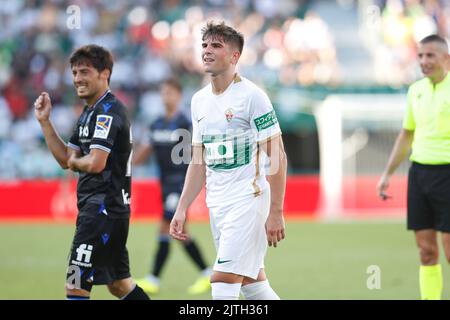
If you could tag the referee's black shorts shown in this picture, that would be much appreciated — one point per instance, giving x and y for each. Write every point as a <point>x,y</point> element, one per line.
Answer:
<point>98,250</point>
<point>429,197</point>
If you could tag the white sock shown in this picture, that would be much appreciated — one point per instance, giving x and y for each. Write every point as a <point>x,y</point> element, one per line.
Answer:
<point>225,291</point>
<point>260,290</point>
<point>153,279</point>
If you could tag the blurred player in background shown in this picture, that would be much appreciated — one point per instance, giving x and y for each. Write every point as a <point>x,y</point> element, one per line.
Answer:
<point>100,150</point>
<point>161,140</point>
<point>235,124</point>
<point>426,130</point>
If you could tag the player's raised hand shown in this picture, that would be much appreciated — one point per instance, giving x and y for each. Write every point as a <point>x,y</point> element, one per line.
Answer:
<point>42,107</point>
<point>177,226</point>
<point>275,228</point>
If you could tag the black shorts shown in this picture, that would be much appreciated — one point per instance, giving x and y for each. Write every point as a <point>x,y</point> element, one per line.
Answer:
<point>171,193</point>
<point>98,254</point>
<point>429,197</point>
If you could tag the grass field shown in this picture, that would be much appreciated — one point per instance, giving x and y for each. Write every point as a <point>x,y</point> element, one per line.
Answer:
<point>315,261</point>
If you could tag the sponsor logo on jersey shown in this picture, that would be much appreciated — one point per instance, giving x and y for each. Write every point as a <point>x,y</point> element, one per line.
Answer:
<point>222,261</point>
<point>266,121</point>
<point>126,197</point>
<point>219,152</point>
<point>83,258</point>
<point>164,136</point>
<point>102,126</point>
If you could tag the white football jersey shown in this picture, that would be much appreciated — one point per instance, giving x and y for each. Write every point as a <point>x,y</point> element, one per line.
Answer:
<point>229,125</point>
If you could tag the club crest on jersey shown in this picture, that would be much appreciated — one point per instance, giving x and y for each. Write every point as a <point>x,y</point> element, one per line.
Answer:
<point>102,126</point>
<point>229,114</point>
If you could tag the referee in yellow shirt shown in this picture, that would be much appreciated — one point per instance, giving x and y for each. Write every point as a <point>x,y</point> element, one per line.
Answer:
<point>426,131</point>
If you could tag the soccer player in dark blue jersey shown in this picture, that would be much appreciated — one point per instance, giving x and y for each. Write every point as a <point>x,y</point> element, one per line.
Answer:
<point>100,151</point>
<point>165,133</point>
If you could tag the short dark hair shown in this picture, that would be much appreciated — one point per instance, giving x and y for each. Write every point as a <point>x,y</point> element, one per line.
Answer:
<point>434,38</point>
<point>174,83</point>
<point>226,33</point>
<point>95,56</point>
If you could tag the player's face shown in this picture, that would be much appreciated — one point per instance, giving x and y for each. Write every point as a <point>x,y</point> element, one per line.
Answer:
<point>218,56</point>
<point>432,59</point>
<point>170,96</point>
<point>87,80</point>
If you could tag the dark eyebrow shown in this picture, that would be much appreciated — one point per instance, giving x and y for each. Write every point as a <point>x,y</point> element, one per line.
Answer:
<point>82,69</point>
<point>214,43</point>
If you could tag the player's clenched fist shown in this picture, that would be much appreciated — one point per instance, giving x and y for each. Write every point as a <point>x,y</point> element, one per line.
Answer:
<point>42,107</point>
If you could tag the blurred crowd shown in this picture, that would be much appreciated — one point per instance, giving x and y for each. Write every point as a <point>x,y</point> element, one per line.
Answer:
<point>402,24</point>
<point>287,44</point>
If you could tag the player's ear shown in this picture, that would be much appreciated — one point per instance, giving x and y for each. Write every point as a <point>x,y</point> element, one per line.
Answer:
<point>105,74</point>
<point>235,57</point>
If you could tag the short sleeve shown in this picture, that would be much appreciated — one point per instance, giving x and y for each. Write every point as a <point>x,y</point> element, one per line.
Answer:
<point>263,118</point>
<point>196,135</point>
<point>408,119</point>
<point>74,142</point>
<point>107,126</point>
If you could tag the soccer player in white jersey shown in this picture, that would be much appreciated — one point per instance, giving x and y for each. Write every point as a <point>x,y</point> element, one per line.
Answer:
<point>235,129</point>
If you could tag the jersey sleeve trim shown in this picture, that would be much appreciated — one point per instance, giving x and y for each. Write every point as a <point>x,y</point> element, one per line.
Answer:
<point>73,146</point>
<point>267,139</point>
<point>97,146</point>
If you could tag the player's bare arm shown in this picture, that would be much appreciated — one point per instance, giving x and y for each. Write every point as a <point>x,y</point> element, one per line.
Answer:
<point>142,153</point>
<point>42,110</point>
<point>399,153</point>
<point>275,226</point>
<point>195,179</point>
<point>93,162</point>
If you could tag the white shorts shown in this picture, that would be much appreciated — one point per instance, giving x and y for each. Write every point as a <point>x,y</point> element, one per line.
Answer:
<point>239,235</point>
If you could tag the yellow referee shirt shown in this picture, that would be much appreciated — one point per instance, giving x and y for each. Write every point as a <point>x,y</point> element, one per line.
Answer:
<point>428,115</point>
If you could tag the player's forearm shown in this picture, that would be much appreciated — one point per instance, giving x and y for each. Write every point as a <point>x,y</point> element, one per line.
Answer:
<point>193,184</point>
<point>86,164</point>
<point>55,144</point>
<point>277,183</point>
<point>400,151</point>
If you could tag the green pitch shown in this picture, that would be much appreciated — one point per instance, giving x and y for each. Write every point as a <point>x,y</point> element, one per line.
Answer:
<point>315,261</point>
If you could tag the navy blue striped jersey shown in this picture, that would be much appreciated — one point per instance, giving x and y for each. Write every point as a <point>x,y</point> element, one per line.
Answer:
<point>105,126</point>
<point>170,140</point>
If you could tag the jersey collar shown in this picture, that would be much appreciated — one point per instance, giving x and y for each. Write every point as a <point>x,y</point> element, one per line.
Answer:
<point>442,82</point>
<point>100,99</point>
<point>236,79</point>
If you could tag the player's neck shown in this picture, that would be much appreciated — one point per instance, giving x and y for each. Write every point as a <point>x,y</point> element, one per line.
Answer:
<point>435,79</point>
<point>222,81</point>
<point>92,100</point>
<point>170,113</point>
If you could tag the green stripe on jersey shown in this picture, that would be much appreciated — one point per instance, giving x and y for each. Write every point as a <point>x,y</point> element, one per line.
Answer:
<point>226,152</point>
